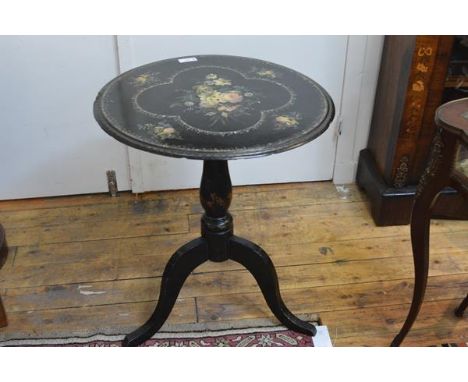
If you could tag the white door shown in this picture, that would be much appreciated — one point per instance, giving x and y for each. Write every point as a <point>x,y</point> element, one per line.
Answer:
<point>322,58</point>
<point>50,143</point>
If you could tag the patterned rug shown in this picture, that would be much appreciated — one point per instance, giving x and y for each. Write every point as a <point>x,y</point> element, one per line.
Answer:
<point>242,333</point>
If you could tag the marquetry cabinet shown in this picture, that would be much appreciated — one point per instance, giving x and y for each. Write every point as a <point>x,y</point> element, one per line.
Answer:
<point>417,74</point>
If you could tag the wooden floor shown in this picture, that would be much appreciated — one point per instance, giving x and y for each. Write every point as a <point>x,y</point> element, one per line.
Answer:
<point>90,263</point>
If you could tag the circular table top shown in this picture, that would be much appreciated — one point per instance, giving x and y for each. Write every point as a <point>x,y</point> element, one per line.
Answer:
<point>453,116</point>
<point>213,107</point>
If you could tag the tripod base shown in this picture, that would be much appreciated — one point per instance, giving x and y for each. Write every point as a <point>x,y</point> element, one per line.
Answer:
<point>196,252</point>
<point>218,244</point>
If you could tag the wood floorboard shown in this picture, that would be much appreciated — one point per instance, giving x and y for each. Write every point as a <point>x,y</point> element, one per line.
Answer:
<point>85,321</point>
<point>137,258</point>
<point>331,298</point>
<point>291,193</point>
<point>83,264</point>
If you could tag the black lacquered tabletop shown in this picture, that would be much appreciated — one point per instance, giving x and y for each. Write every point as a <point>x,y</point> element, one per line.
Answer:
<point>213,107</point>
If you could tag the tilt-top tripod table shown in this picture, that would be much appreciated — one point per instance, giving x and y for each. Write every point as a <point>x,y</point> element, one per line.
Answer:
<point>214,108</point>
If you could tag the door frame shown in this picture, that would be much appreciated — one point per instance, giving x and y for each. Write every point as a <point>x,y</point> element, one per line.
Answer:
<point>362,66</point>
<point>362,69</point>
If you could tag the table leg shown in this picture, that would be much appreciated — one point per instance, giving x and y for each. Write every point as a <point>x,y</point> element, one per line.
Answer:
<point>461,309</point>
<point>3,256</point>
<point>420,223</point>
<point>3,319</point>
<point>259,264</point>
<point>434,179</point>
<point>179,267</point>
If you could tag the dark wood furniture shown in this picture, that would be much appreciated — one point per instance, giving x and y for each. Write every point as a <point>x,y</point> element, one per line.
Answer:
<point>214,108</point>
<point>417,74</point>
<point>3,255</point>
<point>448,166</point>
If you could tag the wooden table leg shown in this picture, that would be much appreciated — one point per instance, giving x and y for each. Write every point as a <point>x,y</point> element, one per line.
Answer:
<point>3,254</point>
<point>434,179</point>
<point>3,319</point>
<point>461,309</point>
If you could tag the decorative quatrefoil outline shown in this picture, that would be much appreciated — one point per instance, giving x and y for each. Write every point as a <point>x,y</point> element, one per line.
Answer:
<point>192,81</point>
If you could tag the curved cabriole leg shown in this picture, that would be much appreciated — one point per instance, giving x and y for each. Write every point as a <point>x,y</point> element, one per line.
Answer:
<point>259,264</point>
<point>180,265</point>
<point>3,256</point>
<point>463,190</point>
<point>461,309</point>
<point>420,224</point>
<point>434,179</point>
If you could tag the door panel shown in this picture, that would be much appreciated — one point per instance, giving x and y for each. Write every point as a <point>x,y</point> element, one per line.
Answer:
<point>320,57</point>
<point>51,144</point>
